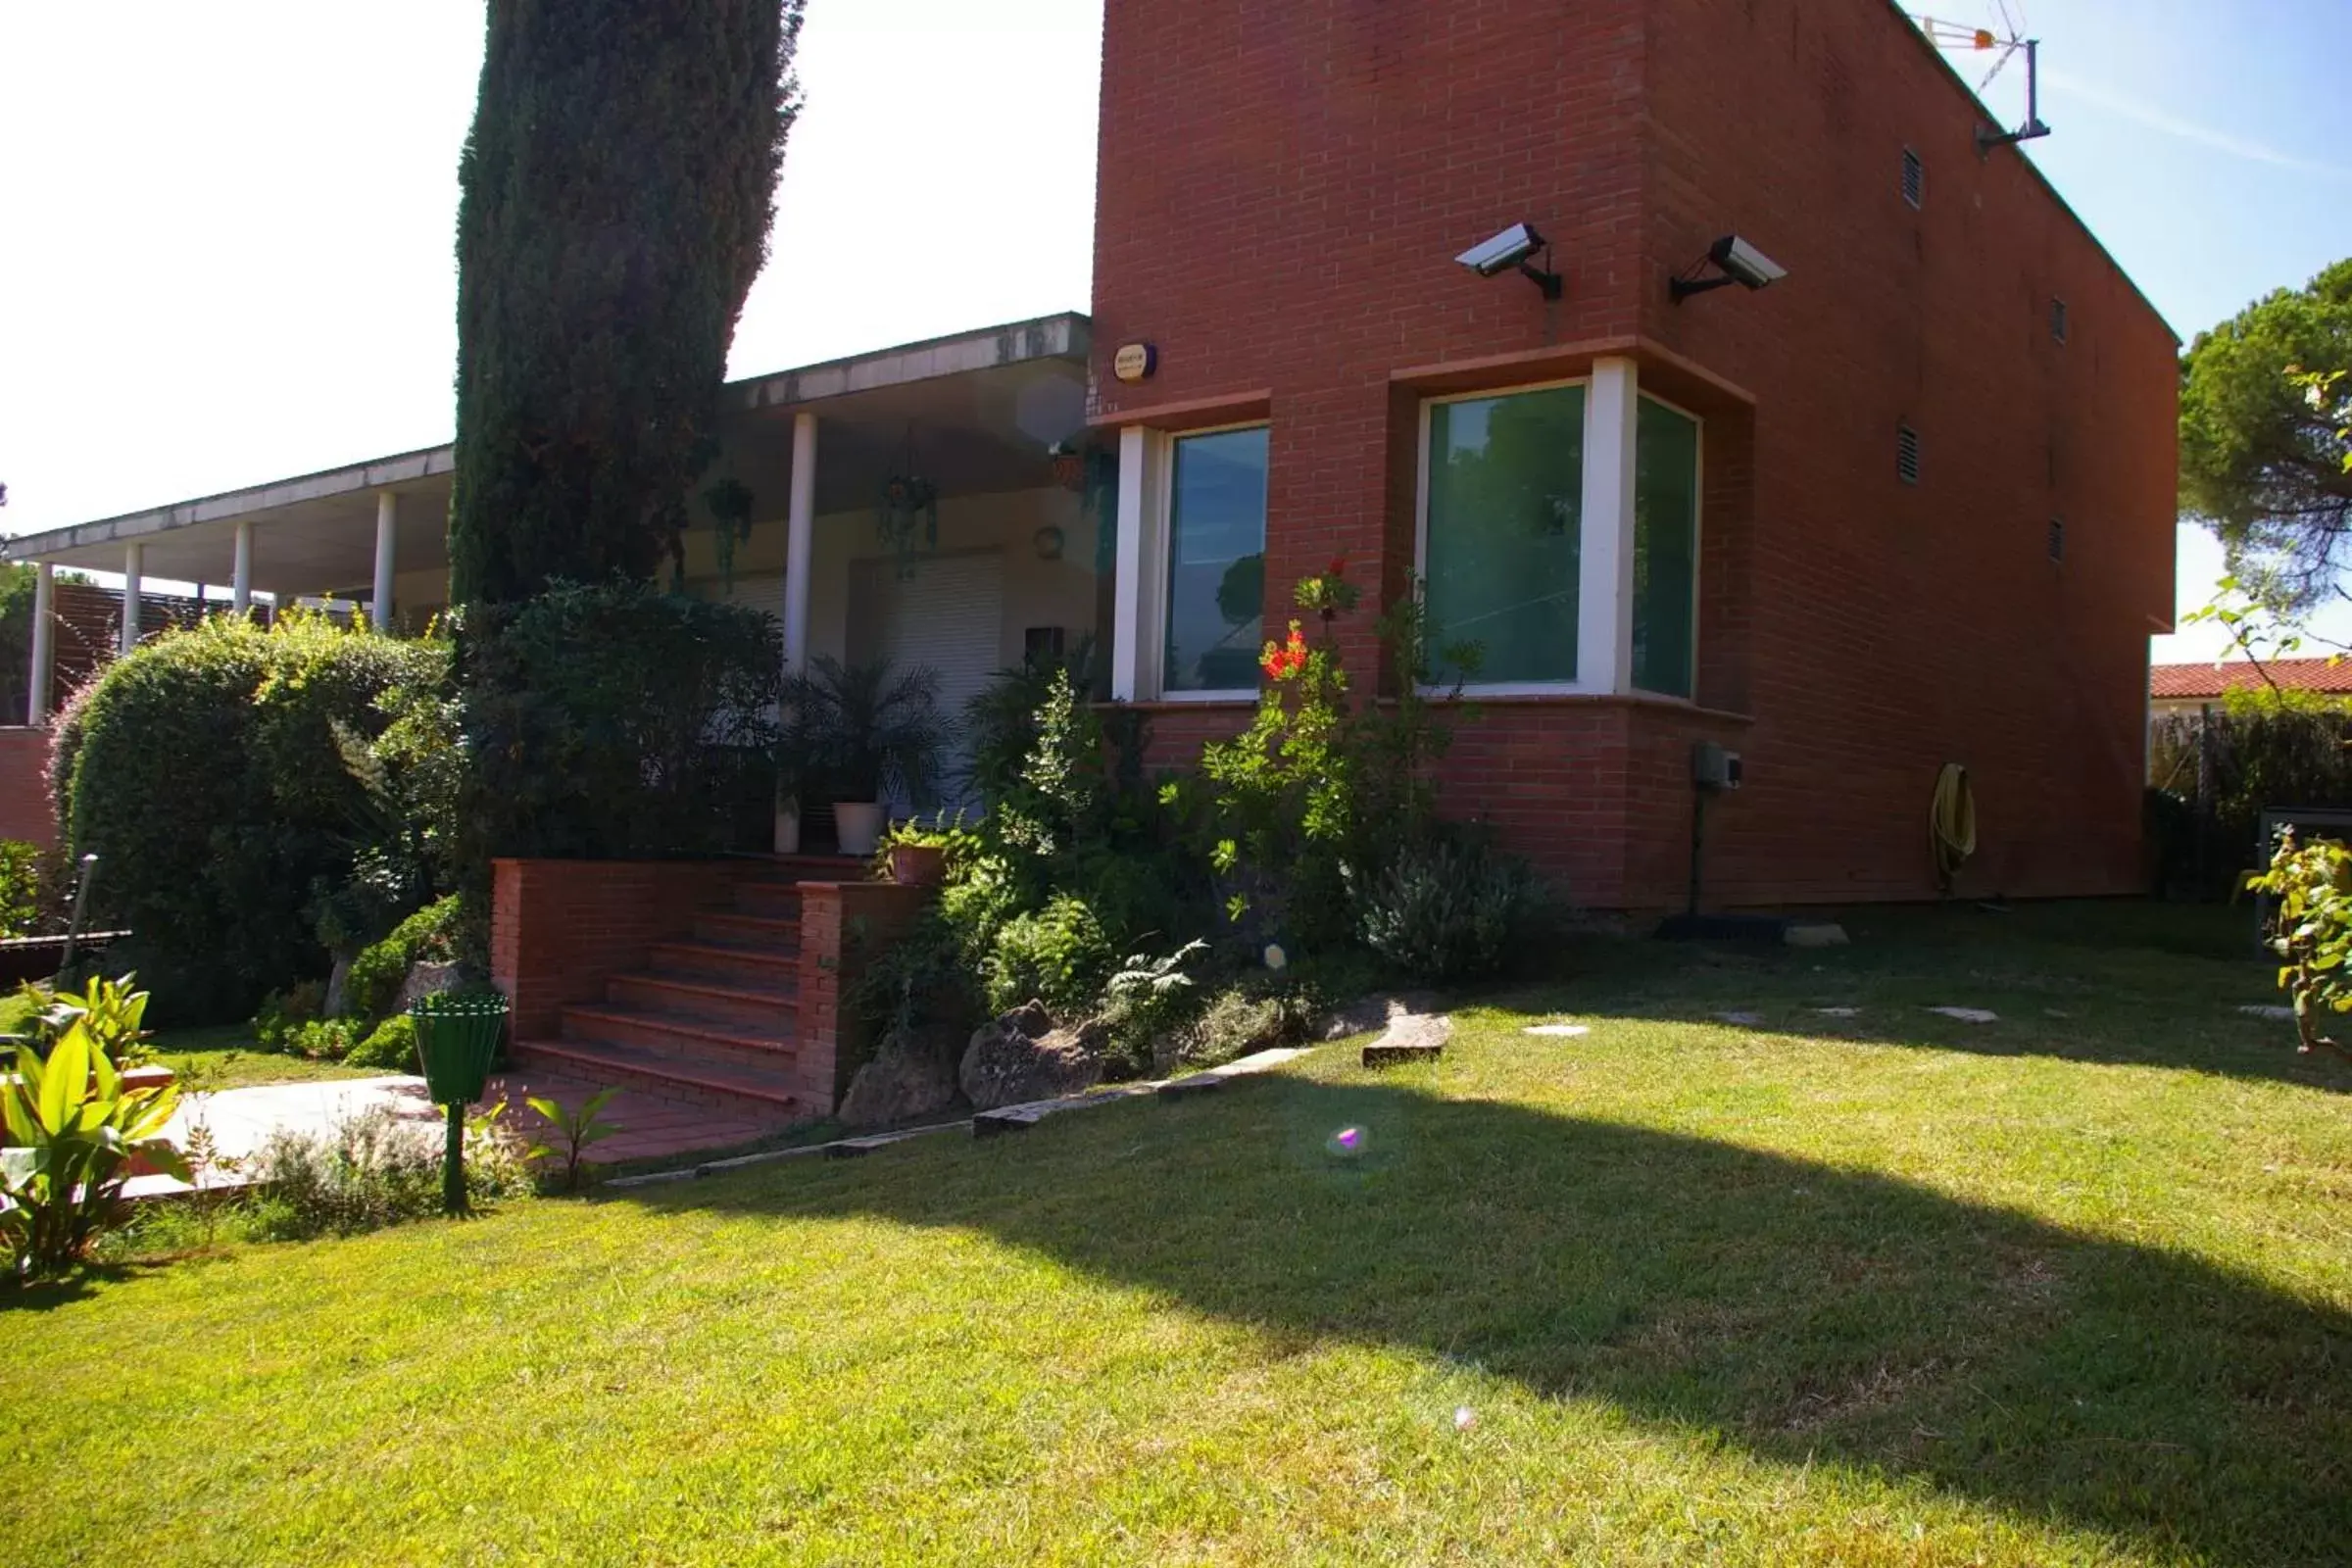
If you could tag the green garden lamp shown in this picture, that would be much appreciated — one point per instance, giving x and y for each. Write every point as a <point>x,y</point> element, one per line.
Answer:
<point>455,1037</point>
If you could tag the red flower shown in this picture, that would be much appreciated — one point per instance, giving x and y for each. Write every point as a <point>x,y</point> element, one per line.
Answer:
<point>1282,660</point>
<point>1339,567</point>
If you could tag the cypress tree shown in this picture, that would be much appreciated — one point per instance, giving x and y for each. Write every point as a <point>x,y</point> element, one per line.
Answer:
<point>616,192</point>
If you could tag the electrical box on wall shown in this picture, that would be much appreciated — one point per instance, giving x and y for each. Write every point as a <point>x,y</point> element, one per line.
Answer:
<point>1714,768</point>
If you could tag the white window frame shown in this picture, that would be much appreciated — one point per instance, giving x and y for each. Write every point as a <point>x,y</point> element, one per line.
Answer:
<point>1605,611</point>
<point>1146,491</point>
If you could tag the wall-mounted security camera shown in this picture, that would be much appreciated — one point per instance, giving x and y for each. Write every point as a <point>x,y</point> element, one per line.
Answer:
<point>1513,248</point>
<point>1734,261</point>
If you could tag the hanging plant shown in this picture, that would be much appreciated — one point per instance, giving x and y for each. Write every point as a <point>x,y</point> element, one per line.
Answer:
<point>730,503</point>
<point>906,518</point>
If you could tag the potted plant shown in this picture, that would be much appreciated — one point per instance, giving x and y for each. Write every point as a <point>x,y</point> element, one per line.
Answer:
<point>916,857</point>
<point>860,732</point>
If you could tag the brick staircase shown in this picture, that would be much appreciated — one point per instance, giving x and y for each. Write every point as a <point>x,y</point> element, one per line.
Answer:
<point>711,1016</point>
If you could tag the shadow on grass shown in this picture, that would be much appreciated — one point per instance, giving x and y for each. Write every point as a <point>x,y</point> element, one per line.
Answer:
<point>1800,1312</point>
<point>47,1294</point>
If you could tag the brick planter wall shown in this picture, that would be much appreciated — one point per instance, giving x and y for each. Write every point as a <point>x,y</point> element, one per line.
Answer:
<point>844,926</point>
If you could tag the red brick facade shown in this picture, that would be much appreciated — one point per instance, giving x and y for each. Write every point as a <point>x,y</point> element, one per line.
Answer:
<point>27,808</point>
<point>559,929</point>
<point>1282,191</point>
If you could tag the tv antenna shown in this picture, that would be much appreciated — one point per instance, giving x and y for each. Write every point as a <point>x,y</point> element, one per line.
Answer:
<point>2003,45</point>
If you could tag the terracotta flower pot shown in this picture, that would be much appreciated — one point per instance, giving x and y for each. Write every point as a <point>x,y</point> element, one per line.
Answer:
<point>919,865</point>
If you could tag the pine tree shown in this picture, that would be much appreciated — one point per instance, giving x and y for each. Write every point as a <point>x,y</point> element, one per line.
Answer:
<point>616,193</point>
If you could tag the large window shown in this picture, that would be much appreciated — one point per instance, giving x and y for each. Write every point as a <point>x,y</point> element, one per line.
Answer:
<point>1665,549</point>
<point>1216,562</point>
<point>1505,506</point>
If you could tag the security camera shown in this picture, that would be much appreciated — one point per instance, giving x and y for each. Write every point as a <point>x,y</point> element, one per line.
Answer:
<point>1503,251</point>
<point>1751,266</point>
<point>1734,261</point>
<point>1513,248</point>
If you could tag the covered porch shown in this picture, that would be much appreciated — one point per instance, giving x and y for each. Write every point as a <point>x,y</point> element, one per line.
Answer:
<point>1004,553</point>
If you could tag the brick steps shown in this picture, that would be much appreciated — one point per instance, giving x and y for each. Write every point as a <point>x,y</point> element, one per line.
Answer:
<point>703,1083</point>
<point>754,1009</point>
<point>769,933</point>
<point>711,1017</point>
<point>727,963</point>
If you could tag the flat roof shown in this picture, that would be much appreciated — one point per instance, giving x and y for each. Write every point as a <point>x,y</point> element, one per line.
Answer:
<point>1064,336</point>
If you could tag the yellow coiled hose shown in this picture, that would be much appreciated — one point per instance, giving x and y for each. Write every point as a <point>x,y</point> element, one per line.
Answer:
<point>1953,824</point>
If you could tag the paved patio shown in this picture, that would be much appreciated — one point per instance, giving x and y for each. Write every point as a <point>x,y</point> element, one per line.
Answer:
<point>647,1127</point>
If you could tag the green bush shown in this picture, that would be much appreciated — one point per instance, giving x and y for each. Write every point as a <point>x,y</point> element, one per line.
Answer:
<point>1446,909</point>
<point>1057,956</point>
<point>432,934</point>
<point>612,721</point>
<point>208,771</point>
<point>375,1170</point>
<point>390,1045</point>
<point>21,890</point>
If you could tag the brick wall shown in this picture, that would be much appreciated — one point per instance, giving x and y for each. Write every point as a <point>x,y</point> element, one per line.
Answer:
<point>27,810</point>
<point>844,926</point>
<point>1281,192</point>
<point>558,929</point>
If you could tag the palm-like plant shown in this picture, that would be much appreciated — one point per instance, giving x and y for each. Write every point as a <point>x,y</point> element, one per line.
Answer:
<point>858,732</point>
<point>73,1131</point>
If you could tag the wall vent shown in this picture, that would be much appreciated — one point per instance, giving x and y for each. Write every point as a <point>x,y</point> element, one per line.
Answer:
<point>2058,322</point>
<point>2057,538</point>
<point>1906,453</point>
<point>1914,178</point>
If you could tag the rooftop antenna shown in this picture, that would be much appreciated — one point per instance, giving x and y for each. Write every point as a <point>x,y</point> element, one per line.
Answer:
<point>2004,46</point>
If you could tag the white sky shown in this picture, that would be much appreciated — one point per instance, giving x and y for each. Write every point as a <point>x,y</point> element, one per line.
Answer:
<point>226,228</point>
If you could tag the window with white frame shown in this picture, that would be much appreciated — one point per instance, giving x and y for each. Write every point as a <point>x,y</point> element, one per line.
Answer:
<point>1502,528</point>
<point>1665,549</point>
<point>1215,555</point>
<point>1506,527</point>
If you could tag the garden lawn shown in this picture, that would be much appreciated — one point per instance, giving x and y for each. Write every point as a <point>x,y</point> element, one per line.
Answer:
<point>228,1058</point>
<point>2074,1287</point>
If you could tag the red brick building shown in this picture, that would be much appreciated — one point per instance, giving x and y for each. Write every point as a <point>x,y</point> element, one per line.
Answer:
<point>1912,506</point>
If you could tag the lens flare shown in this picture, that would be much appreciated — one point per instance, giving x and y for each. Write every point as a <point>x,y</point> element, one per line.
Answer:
<point>1347,1142</point>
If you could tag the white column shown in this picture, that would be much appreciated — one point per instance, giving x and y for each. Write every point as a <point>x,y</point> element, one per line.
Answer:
<point>1134,672</point>
<point>1604,612</point>
<point>387,528</point>
<point>240,582</point>
<point>134,556</point>
<point>800,542</point>
<point>44,643</point>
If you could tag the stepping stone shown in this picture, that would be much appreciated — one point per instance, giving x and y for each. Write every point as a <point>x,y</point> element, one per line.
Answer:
<point>1411,1037</point>
<point>1199,1082</point>
<point>1968,1015</point>
<point>1816,933</point>
<point>1557,1031</point>
<point>1840,1012</point>
<point>2270,1011</point>
<point>1744,1021</point>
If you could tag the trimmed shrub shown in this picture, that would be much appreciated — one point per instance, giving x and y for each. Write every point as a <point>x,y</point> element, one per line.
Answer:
<point>1446,909</point>
<point>390,1045</point>
<point>612,721</point>
<point>208,771</point>
<point>373,982</point>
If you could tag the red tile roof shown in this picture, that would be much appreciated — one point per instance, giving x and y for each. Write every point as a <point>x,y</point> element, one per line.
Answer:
<point>2212,680</point>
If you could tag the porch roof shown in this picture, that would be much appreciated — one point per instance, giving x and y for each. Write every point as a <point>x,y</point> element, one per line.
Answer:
<point>987,403</point>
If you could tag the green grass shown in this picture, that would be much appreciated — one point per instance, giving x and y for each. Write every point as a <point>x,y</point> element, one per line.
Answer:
<point>226,1057</point>
<point>1891,1289</point>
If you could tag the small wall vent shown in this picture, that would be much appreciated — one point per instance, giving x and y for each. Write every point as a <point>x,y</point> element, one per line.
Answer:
<point>2057,538</point>
<point>2058,321</point>
<point>1906,453</point>
<point>1914,178</point>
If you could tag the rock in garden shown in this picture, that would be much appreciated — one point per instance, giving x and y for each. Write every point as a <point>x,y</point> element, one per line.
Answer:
<point>1969,1015</point>
<point>426,978</point>
<point>911,1075</point>
<point>1022,1056</point>
<point>1367,1013</point>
